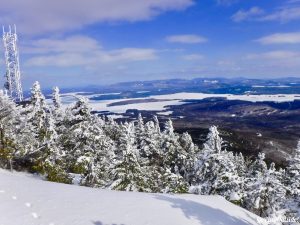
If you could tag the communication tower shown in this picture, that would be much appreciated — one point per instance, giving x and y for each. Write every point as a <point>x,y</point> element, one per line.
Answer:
<point>13,75</point>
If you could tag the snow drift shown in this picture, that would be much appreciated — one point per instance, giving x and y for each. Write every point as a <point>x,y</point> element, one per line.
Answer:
<point>27,200</point>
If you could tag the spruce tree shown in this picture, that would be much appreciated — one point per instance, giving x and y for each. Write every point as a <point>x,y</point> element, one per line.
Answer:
<point>128,174</point>
<point>292,182</point>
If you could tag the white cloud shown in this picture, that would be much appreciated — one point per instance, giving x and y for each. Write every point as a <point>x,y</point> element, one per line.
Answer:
<point>284,14</point>
<point>74,44</point>
<point>226,62</point>
<point>279,63</point>
<point>289,11</point>
<point>193,57</point>
<point>39,16</point>
<point>186,39</point>
<point>281,38</point>
<point>243,15</point>
<point>80,51</point>
<point>275,55</point>
<point>226,2</point>
<point>293,1</point>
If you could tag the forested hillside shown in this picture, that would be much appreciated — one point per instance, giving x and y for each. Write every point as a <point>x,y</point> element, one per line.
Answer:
<point>59,143</point>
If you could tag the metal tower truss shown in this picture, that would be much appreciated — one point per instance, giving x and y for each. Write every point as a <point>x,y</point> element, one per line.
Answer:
<point>13,75</point>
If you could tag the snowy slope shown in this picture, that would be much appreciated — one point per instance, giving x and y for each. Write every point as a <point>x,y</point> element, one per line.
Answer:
<point>26,200</point>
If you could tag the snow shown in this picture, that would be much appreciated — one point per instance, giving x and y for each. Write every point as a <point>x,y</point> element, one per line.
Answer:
<point>166,113</point>
<point>148,106</point>
<point>115,116</point>
<point>142,92</point>
<point>38,202</point>
<point>271,86</point>
<point>234,196</point>
<point>170,99</point>
<point>251,98</point>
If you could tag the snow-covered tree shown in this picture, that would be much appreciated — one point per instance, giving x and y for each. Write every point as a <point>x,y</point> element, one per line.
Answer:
<point>214,141</point>
<point>292,182</point>
<point>173,182</point>
<point>128,174</point>
<point>57,110</point>
<point>206,161</point>
<point>151,145</point>
<point>265,192</point>
<point>56,98</point>
<point>141,136</point>
<point>174,155</point>
<point>37,109</point>
<point>190,149</point>
<point>156,124</point>
<point>216,170</point>
<point>293,170</point>
<point>9,123</point>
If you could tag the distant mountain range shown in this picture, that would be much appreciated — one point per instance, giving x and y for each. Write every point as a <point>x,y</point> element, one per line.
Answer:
<point>287,85</point>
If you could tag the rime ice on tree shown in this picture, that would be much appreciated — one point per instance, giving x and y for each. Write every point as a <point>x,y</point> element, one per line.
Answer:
<point>13,75</point>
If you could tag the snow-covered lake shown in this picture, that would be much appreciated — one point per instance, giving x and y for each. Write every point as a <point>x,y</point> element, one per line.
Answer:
<point>170,99</point>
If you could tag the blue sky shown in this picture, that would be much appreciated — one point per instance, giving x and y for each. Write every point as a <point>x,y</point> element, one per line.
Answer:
<point>77,43</point>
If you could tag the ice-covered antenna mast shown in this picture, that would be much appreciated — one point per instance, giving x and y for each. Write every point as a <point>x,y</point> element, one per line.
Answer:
<point>13,74</point>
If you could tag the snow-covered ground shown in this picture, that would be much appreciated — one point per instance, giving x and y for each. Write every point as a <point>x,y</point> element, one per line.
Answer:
<point>171,99</point>
<point>26,200</point>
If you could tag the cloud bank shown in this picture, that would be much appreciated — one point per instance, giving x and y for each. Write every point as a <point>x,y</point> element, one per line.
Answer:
<point>80,51</point>
<point>186,39</point>
<point>281,38</point>
<point>40,16</point>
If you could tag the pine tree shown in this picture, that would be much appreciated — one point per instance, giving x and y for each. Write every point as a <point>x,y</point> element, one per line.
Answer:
<point>151,145</point>
<point>128,174</point>
<point>100,156</point>
<point>189,147</point>
<point>174,161</point>
<point>173,182</point>
<point>37,109</point>
<point>293,170</point>
<point>214,141</point>
<point>216,170</point>
<point>56,98</point>
<point>45,151</point>
<point>57,110</point>
<point>141,136</point>
<point>36,115</point>
<point>265,192</point>
<point>206,163</point>
<point>156,124</point>
<point>9,123</point>
<point>292,182</point>
<point>174,154</point>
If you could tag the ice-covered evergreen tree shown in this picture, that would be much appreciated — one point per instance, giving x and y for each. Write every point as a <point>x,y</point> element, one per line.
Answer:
<point>190,149</point>
<point>151,145</point>
<point>206,161</point>
<point>292,182</point>
<point>56,98</point>
<point>128,174</point>
<point>9,128</point>
<point>216,170</point>
<point>174,155</point>
<point>265,192</point>
<point>140,135</point>
<point>37,109</point>
<point>156,124</point>
<point>57,110</point>
<point>97,162</point>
